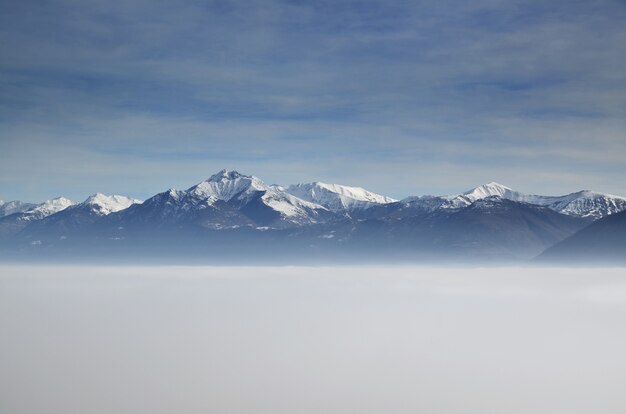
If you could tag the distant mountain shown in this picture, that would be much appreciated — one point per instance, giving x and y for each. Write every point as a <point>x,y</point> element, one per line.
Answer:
<point>580,204</point>
<point>602,241</point>
<point>76,217</point>
<point>226,200</point>
<point>102,205</point>
<point>584,204</point>
<point>47,208</point>
<point>232,216</point>
<point>15,222</point>
<point>337,197</point>
<point>490,228</point>
<point>12,207</point>
<point>175,209</point>
<point>263,204</point>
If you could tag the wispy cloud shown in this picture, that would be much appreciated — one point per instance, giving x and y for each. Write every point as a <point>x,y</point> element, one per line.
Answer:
<point>401,97</point>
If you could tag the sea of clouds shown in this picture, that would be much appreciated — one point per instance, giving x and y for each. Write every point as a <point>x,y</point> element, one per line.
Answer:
<point>311,340</point>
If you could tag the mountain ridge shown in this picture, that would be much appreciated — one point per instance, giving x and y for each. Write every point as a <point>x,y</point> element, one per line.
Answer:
<point>338,197</point>
<point>232,213</point>
<point>604,241</point>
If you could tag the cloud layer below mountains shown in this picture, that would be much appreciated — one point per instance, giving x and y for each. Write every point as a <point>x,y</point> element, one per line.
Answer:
<point>310,340</point>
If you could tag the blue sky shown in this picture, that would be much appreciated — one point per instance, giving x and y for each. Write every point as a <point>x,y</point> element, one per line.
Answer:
<point>402,97</point>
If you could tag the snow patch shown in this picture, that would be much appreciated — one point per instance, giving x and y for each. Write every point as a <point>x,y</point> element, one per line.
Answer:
<point>47,208</point>
<point>233,186</point>
<point>105,205</point>
<point>338,197</point>
<point>580,204</point>
<point>12,207</point>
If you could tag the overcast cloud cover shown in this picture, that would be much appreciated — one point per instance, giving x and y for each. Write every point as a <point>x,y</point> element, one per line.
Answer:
<point>400,97</point>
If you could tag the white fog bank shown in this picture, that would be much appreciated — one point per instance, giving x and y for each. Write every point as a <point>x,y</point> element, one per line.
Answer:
<point>129,340</point>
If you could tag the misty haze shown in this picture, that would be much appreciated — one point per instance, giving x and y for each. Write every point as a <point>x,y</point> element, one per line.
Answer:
<point>311,340</point>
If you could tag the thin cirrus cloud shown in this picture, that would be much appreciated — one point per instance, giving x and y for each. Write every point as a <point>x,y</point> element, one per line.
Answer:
<point>398,97</point>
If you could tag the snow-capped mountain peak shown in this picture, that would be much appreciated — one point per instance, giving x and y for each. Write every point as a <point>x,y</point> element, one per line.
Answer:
<point>12,207</point>
<point>338,197</point>
<point>226,185</point>
<point>489,190</point>
<point>104,205</point>
<point>227,175</point>
<point>240,190</point>
<point>581,204</point>
<point>457,201</point>
<point>588,204</point>
<point>48,208</point>
<point>53,206</point>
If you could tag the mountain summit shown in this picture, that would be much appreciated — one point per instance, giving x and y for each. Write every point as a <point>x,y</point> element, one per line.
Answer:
<point>11,207</point>
<point>103,205</point>
<point>489,190</point>
<point>586,204</point>
<point>226,185</point>
<point>252,195</point>
<point>337,197</point>
<point>235,215</point>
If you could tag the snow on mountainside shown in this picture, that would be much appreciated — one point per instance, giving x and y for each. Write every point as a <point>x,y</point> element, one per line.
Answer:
<point>12,207</point>
<point>586,204</point>
<point>245,200</point>
<point>230,213</point>
<point>226,185</point>
<point>104,205</point>
<point>16,222</point>
<point>47,208</point>
<point>337,197</point>
<point>236,188</point>
<point>489,190</point>
<point>457,201</point>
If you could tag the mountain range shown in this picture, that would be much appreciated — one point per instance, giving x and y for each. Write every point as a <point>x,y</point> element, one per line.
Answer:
<point>602,242</point>
<point>238,218</point>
